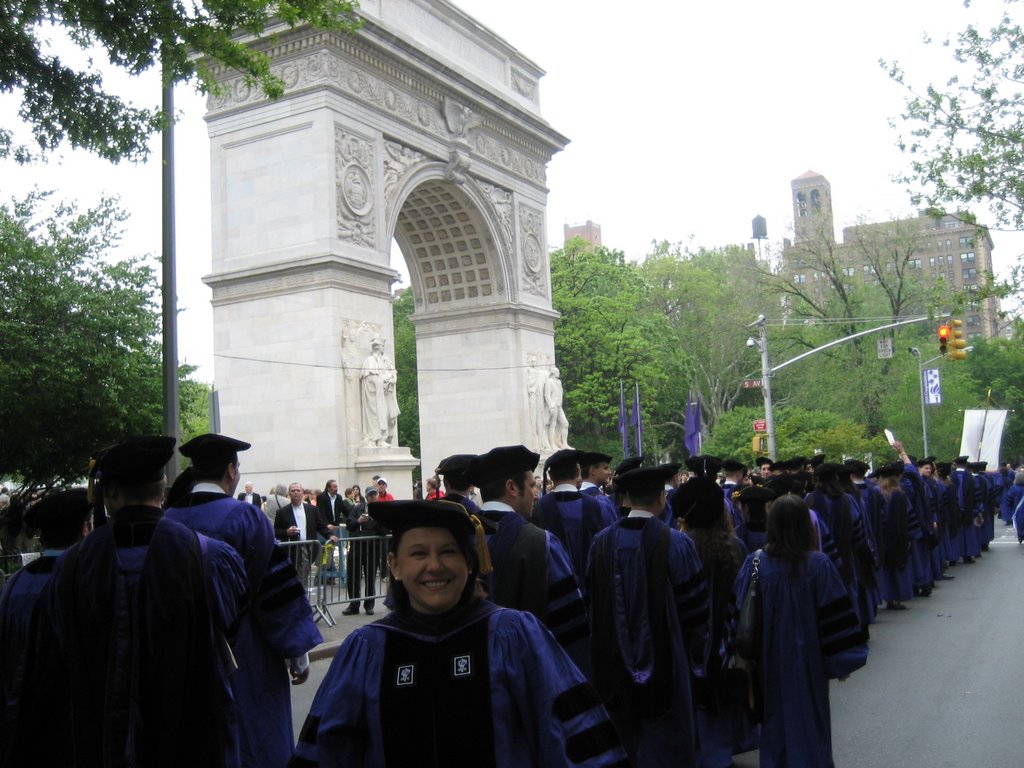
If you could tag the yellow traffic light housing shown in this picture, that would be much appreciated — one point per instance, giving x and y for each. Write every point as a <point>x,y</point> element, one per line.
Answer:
<point>957,343</point>
<point>760,444</point>
<point>943,339</point>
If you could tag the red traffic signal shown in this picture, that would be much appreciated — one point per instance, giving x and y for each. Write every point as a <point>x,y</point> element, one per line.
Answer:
<point>943,338</point>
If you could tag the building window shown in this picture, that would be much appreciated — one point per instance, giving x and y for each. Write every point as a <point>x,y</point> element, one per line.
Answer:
<point>966,258</point>
<point>950,224</point>
<point>801,204</point>
<point>801,278</point>
<point>949,245</point>
<point>973,320</point>
<point>849,271</point>
<point>914,263</point>
<point>931,261</point>
<point>970,274</point>
<point>949,258</point>
<point>967,241</point>
<point>868,269</point>
<point>816,200</point>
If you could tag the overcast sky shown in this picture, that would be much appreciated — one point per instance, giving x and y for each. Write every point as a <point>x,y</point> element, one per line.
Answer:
<point>686,120</point>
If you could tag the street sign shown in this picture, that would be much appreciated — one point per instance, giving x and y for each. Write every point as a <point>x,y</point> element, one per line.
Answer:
<point>885,347</point>
<point>932,387</point>
<point>751,383</point>
<point>760,425</point>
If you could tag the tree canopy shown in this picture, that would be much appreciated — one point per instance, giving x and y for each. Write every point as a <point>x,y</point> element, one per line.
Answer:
<point>80,338</point>
<point>62,101</point>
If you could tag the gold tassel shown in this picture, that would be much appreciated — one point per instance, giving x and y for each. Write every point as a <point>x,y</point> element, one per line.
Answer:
<point>481,547</point>
<point>92,480</point>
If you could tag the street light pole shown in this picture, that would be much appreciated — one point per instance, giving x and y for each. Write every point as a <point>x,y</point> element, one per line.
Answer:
<point>766,380</point>
<point>920,383</point>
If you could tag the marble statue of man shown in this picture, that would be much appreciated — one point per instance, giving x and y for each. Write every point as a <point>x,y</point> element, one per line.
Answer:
<point>379,399</point>
<point>557,424</point>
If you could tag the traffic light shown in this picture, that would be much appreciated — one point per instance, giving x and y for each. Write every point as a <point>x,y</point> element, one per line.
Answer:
<point>760,444</point>
<point>957,344</point>
<point>943,339</point>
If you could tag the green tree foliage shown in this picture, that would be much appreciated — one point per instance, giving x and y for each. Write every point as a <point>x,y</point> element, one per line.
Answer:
<point>406,365</point>
<point>996,367</point>
<point>603,336</point>
<point>81,362</point>
<point>61,101</point>
<point>193,404</point>
<point>709,299</point>
<point>965,137</point>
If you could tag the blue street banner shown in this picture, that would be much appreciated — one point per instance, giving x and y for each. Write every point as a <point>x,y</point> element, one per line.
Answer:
<point>638,421</point>
<point>932,387</point>
<point>623,429</point>
<point>691,426</point>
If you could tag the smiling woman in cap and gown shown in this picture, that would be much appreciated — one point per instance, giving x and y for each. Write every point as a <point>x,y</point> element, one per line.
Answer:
<point>278,625</point>
<point>449,678</point>
<point>649,624</point>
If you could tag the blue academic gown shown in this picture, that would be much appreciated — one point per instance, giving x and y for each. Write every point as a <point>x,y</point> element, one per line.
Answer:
<point>1014,500</point>
<point>589,489</point>
<point>897,575</point>
<point>17,614</point>
<point>560,608</point>
<point>139,616</point>
<point>966,496</point>
<point>628,631</point>
<point>574,519</point>
<point>479,686</point>
<point>279,624</point>
<point>810,635</point>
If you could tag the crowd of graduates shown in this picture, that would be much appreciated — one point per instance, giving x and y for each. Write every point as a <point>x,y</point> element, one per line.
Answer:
<point>647,616</point>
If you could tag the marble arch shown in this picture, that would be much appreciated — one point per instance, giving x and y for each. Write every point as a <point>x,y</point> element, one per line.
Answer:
<point>424,127</point>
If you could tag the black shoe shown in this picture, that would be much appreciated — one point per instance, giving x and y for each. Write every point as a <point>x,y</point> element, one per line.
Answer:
<point>968,559</point>
<point>350,611</point>
<point>369,611</point>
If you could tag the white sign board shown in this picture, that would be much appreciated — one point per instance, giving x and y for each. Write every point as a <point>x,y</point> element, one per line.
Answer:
<point>932,387</point>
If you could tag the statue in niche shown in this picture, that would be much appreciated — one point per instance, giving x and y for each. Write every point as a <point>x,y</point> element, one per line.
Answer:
<point>535,377</point>
<point>557,426</point>
<point>377,380</point>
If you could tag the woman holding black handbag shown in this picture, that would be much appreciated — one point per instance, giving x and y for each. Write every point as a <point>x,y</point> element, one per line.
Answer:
<point>810,634</point>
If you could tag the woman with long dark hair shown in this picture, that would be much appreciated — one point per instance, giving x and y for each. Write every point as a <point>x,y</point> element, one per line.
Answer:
<point>448,678</point>
<point>810,634</point>
<point>897,569</point>
<point>724,727</point>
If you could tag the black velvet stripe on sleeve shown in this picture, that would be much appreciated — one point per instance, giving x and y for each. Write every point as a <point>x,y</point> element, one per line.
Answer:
<point>285,596</point>
<point>575,701</point>
<point>566,614</point>
<point>835,608</point>
<point>843,643</point>
<point>561,589</point>
<point>568,637</point>
<point>838,625</point>
<point>592,742</point>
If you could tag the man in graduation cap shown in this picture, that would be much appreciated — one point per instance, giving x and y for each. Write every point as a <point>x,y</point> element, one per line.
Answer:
<point>596,474</point>
<point>457,488</point>
<point>735,472</point>
<point>649,623</point>
<point>532,570</point>
<point>573,517</point>
<point>138,615</point>
<point>278,627</point>
<point>62,519</point>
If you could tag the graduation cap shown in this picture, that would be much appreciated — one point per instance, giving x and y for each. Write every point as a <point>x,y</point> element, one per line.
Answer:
<point>927,460</point>
<point>628,465</point>
<point>590,458</point>
<point>858,467</point>
<point>62,510</point>
<point>212,451</point>
<point>455,464</point>
<point>501,463</point>
<point>817,460</point>
<point>826,470</point>
<point>977,466</point>
<point>136,461</point>
<point>892,469</point>
<point>646,479</point>
<point>733,465</point>
<point>563,463</point>
<point>961,461</point>
<point>699,501</point>
<point>706,466</point>
<point>943,467</point>
<point>756,495</point>
<point>402,516</point>
<point>760,461</point>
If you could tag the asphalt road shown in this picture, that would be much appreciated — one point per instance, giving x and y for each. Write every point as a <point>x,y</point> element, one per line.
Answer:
<point>941,688</point>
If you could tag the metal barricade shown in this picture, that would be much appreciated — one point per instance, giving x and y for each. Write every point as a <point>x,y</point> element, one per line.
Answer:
<point>355,571</point>
<point>307,556</point>
<point>11,564</point>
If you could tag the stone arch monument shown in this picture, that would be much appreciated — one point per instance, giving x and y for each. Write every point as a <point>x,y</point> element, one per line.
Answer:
<point>423,127</point>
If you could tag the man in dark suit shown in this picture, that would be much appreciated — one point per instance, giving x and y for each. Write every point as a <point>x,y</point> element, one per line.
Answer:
<point>332,506</point>
<point>299,521</point>
<point>365,554</point>
<point>251,498</point>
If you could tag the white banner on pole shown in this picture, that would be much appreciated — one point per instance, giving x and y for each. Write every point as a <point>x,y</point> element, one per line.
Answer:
<point>932,387</point>
<point>983,435</point>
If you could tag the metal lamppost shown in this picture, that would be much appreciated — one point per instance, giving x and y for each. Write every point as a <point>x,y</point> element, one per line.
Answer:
<point>761,342</point>
<point>920,383</point>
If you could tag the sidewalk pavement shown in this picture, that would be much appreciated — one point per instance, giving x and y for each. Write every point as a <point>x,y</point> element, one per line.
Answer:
<point>333,636</point>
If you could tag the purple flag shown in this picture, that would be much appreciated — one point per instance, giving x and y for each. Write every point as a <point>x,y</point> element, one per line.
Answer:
<point>691,426</point>
<point>638,422</point>
<point>623,430</point>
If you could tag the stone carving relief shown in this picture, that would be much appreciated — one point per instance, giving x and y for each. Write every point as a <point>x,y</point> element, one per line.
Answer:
<point>501,200</point>
<point>320,68</point>
<point>353,179</point>
<point>398,159</point>
<point>531,247</point>
<point>524,85</point>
